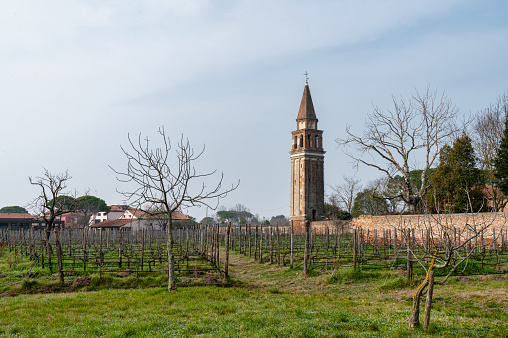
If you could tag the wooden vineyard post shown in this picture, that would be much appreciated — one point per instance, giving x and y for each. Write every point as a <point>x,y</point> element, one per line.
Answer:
<point>217,244</point>
<point>142,247</point>
<point>226,259</point>
<point>250,239</point>
<point>338,243</point>
<point>307,248</point>
<point>271,243</point>
<point>120,247</point>
<point>409,262</point>
<point>256,242</point>
<point>494,242</point>
<point>375,241</point>
<point>261,244</point>
<point>355,240</point>
<point>395,243</point>
<point>245,241</point>
<point>100,253</point>
<point>239,238</point>
<point>31,238</point>
<point>84,249</point>
<point>278,243</point>
<point>41,248</point>
<point>292,244</point>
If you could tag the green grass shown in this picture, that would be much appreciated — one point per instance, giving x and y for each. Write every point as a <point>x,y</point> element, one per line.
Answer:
<point>223,312</point>
<point>345,303</point>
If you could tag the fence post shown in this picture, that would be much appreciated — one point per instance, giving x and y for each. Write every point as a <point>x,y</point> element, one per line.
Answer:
<point>307,248</point>
<point>355,240</point>
<point>226,259</point>
<point>292,244</point>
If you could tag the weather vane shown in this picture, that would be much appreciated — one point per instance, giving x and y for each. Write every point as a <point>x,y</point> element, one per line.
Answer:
<point>306,76</point>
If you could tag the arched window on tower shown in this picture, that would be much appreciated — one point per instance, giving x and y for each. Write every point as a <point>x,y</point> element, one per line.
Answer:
<point>308,141</point>
<point>317,141</point>
<point>295,142</point>
<point>301,141</point>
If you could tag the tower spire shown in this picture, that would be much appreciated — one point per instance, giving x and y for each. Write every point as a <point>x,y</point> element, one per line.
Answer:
<point>306,110</point>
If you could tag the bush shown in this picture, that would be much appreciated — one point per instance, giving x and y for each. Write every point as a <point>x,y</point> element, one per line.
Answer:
<point>394,284</point>
<point>28,283</point>
<point>345,275</point>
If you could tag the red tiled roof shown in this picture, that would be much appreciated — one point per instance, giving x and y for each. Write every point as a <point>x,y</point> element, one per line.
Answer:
<point>120,208</point>
<point>15,215</point>
<point>177,215</point>
<point>114,223</point>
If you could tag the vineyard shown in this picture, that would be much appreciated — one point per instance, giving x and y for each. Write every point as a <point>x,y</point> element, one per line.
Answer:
<point>201,249</point>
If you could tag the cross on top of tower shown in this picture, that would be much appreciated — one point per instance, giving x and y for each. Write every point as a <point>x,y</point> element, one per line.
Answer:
<point>306,77</point>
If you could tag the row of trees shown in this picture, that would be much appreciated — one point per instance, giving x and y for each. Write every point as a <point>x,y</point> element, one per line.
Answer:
<point>429,161</point>
<point>240,214</point>
<point>84,206</point>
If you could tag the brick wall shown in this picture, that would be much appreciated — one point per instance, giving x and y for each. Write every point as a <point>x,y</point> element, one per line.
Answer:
<point>462,225</point>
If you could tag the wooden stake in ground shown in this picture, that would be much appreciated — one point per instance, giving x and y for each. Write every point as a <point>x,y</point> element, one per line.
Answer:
<point>307,248</point>
<point>226,259</point>
<point>292,240</point>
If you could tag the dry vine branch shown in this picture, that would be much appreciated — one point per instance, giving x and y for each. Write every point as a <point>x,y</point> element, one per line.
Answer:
<point>446,244</point>
<point>162,186</point>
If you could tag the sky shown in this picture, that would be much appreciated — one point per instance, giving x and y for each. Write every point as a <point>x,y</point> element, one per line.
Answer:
<point>76,77</point>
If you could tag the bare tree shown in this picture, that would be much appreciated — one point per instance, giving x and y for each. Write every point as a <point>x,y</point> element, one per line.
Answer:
<point>488,132</point>
<point>162,186</point>
<point>344,194</point>
<point>404,139</point>
<point>445,243</point>
<point>387,189</point>
<point>51,203</point>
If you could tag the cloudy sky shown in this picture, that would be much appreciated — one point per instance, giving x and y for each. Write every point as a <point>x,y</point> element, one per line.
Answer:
<point>77,76</point>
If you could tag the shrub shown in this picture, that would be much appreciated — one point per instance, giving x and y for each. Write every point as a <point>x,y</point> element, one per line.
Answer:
<point>350,275</point>
<point>394,284</point>
<point>28,283</point>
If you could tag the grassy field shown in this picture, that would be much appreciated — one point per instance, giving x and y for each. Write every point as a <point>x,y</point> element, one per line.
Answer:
<point>262,301</point>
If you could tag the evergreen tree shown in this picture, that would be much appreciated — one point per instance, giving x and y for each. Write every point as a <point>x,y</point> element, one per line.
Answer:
<point>457,184</point>
<point>501,162</point>
<point>13,209</point>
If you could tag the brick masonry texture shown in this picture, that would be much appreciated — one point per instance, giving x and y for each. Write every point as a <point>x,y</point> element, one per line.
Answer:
<point>462,225</point>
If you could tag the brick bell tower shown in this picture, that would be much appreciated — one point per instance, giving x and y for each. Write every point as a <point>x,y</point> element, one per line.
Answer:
<point>307,166</point>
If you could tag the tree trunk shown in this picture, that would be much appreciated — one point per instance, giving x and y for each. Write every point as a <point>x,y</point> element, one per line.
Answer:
<point>58,248</point>
<point>171,258</point>
<point>47,233</point>
<point>428,302</point>
<point>414,321</point>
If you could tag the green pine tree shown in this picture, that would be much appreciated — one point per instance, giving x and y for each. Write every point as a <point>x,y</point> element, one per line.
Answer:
<point>457,184</point>
<point>501,162</point>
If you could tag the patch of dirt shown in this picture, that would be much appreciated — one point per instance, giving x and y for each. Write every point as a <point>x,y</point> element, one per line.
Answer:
<point>126,273</point>
<point>185,280</point>
<point>210,280</point>
<point>81,281</point>
<point>465,279</point>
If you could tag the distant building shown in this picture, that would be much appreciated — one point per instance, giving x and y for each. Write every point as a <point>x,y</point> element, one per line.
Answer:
<point>17,221</point>
<point>134,219</point>
<point>307,165</point>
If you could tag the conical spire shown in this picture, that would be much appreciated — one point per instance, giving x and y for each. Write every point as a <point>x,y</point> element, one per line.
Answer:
<point>306,107</point>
